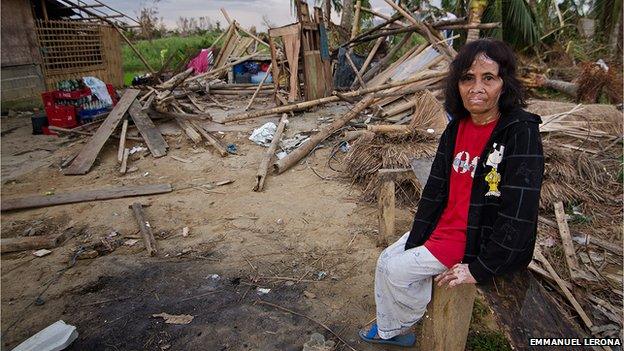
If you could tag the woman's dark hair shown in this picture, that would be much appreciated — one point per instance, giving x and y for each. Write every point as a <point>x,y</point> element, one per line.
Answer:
<point>512,95</point>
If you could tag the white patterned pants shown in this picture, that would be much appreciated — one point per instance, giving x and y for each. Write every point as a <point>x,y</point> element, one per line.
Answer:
<point>403,286</point>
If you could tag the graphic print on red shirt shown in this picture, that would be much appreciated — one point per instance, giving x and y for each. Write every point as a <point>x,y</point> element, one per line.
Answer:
<point>448,240</point>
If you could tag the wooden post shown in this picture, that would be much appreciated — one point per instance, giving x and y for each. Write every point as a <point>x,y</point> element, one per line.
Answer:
<point>266,159</point>
<point>386,201</point>
<point>122,140</point>
<point>356,19</point>
<point>358,76</point>
<point>146,229</point>
<point>445,324</point>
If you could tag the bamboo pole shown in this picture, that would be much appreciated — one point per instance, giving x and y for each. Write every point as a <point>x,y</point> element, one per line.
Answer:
<point>388,128</point>
<point>306,104</point>
<point>358,76</point>
<point>253,97</point>
<point>370,56</point>
<point>382,16</point>
<point>264,164</point>
<point>425,31</point>
<point>305,148</point>
<point>384,61</point>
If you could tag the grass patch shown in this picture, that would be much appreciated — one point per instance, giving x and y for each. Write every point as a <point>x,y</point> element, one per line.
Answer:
<point>484,334</point>
<point>157,51</point>
<point>487,341</point>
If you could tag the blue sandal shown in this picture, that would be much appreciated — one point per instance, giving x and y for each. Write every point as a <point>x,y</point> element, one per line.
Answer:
<point>405,340</point>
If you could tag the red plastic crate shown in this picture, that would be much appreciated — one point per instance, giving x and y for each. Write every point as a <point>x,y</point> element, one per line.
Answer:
<point>48,99</point>
<point>62,116</point>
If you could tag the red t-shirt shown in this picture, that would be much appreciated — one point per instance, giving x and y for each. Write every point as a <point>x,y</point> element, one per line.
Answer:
<point>448,240</point>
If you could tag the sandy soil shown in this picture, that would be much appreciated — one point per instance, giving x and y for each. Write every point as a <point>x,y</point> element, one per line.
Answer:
<point>302,227</point>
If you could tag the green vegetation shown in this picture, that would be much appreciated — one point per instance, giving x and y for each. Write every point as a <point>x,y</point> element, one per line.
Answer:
<point>157,51</point>
<point>483,334</point>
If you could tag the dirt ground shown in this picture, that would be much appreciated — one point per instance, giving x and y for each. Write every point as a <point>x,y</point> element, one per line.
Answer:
<point>312,230</point>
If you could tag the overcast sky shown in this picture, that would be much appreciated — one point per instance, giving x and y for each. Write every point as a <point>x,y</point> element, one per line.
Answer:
<point>246,12</point>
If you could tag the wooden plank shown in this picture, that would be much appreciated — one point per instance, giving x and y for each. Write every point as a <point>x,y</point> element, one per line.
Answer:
<point>576,273</point>
<point>35,201</point>
<point>122,141</point>
<point>188,129</point>
<point>154,140</point>
<point>589,240</point>
<point>146,229</point>
<point>85,159</point>
<point>447,320</point>
<point>124,161</point>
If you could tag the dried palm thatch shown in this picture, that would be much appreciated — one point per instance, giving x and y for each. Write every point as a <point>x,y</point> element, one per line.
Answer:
<point>372,152</point>
<point>594,80</point>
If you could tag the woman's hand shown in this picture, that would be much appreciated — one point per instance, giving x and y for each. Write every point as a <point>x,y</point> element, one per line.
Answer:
<point>458,274</point>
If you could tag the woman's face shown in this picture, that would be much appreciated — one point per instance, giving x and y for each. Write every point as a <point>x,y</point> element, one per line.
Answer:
<point>480,86</point>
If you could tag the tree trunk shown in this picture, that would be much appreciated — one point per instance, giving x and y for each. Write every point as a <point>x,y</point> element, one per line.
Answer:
<point>346,21</point>
<point>476,11</point>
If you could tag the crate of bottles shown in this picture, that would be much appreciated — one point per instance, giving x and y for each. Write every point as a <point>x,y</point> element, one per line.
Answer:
<point>73,104</point>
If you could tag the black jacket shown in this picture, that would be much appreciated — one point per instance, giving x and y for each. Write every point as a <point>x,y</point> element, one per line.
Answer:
<point>500,236</point>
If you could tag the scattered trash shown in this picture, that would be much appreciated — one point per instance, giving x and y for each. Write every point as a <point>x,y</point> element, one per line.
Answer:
<point>49,193</point>
<point>430,131</point>
<point>344,147</point>
<point>280,221</point>
<point>183,160</point>
<point>264,134</point>
<point>136,149</point>
<point>42,252</point>
<point>294,142</point>
<point>263,291</point>
<point>280,155</point>
<point>232,149</point>
<point>548,242</point>
<point>175,319</point>
<point>309,295</point>
<point>185,231</point>
<point>317,342</point>
<point>146,174</point>
<point>55,337</point>
<point>213,277</point>
<point>320,275</point>
<point>113,233</point>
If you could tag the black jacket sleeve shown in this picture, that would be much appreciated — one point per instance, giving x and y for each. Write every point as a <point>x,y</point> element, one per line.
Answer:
<point>431,196</point>
<point>512,240</point>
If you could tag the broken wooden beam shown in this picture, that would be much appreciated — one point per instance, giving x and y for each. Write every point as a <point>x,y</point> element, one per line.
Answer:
<point>303,105</point>
<point>212,140</point>
<point>122,141</point>
<point>81,132</point>
<point>35,201</point>
<point>153,139</point>
<point>30,243</point>
<point>566,292</point>
<point>576,273</point>
<point>85,159</point>
<point>124,161</point>
<point>266,159</point>
<point>304,149</point>
<point>589,239</point>
<point>146,229</point>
